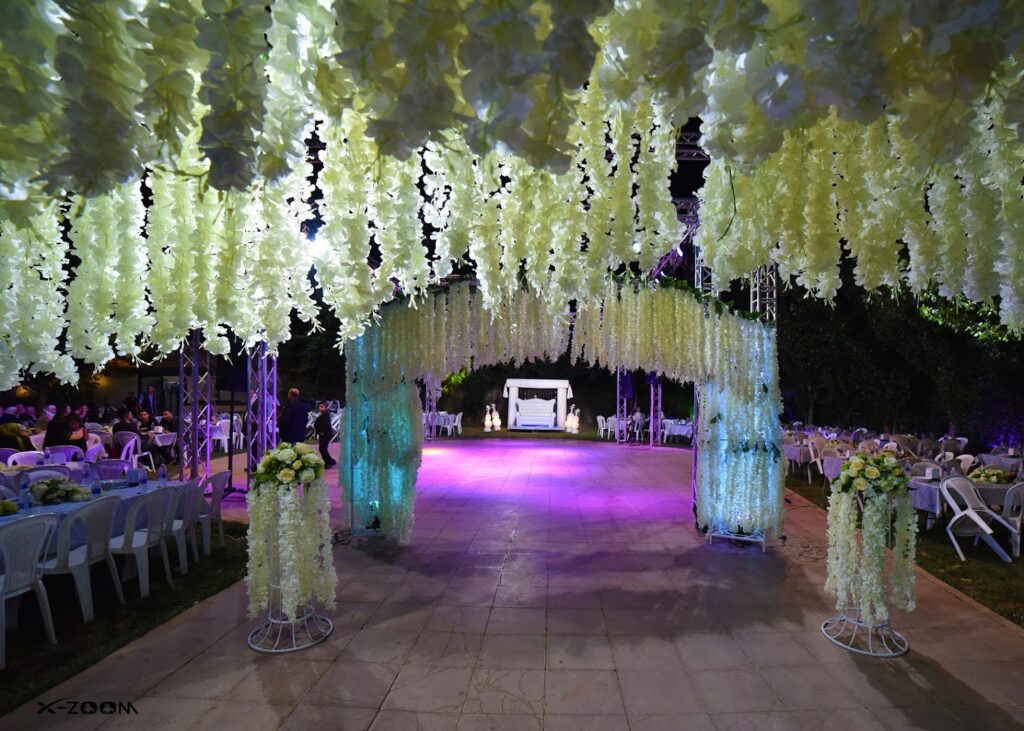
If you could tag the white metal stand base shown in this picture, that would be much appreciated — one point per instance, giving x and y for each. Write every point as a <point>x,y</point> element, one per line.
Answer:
<point>279,635</point>
<point>856,636</point>
<point>755,537</point>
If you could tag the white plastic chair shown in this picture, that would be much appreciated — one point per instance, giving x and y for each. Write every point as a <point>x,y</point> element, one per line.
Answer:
<point>70,452</point>
<point>602,426</point>
<point>6,453</point>
<point>96,519</point>
<point>611,427</point>
<point>25,458</point>
<point>32,475</point>
<point>111,469</point>
<point>186,500</point>
<point>972,518</point>
<point>962,441</point>
<point>966,462</point>
<point>1013,513</point>
<point>455,424</point>
<point>22,542</point>
<point>131,449</point>
<point>210,511</point>
<point>94,454</point>
<point>137,542</point>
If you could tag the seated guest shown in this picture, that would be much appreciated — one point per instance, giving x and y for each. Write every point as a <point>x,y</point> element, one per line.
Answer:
<point>83,412</point>
<point>68,430</point>
<point>125,422</point>
<point>48,415</point>
<point>10,415</point>
<point>29,417</point>
<point>167,421</point>
<point>145,421</point>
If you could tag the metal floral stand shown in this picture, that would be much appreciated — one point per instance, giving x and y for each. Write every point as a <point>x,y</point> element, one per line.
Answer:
<point>880,640</point>
<point>280,633</point>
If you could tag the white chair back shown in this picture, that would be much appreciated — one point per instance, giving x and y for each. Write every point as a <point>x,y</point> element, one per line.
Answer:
<point>22,543</point>
<point>960,493</point>
<point>21,459</point>
<point>155,507</point>
<point>218,483</point>
<point>34,474</point>
<point>130,444</point>
<point>458,422</point>
<point>70,452</point>
<point>111,469</point>
<point>186,502</point>
<point>96,518</point>
<point>92,454</point>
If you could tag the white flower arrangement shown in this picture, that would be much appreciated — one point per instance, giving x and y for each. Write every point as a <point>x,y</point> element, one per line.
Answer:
<point>289,533</point>
<point>856,572</point>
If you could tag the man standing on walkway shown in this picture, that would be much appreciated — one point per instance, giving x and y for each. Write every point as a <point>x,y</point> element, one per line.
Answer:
<point>291,423</point>
<point>324,432</point>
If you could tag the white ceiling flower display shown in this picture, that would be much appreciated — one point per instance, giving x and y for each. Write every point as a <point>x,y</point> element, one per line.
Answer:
<point>530,139</point>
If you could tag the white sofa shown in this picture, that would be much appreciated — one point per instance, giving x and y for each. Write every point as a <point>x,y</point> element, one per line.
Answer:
<point>535,412</point>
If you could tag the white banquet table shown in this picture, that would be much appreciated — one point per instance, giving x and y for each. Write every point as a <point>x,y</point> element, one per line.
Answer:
<point>1001,461</point>
<point>675,428</point>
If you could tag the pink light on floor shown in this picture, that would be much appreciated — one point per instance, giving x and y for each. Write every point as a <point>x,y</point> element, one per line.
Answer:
<point>587,479</point>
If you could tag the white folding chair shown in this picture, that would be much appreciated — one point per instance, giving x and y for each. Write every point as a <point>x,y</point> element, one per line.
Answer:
<point>22,543</point>
<point>210,511</point>
<point>96,518</point>
<point>186,501</point>
<point>1013,511</point>
<point>137,542</point>
<point>25,458</point>
<point>972,518</point>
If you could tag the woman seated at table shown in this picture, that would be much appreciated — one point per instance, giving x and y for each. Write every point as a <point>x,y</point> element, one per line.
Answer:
<point>68,430</point>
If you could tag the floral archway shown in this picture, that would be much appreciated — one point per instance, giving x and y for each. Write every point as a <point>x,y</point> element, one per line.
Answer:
<point>730,359</point>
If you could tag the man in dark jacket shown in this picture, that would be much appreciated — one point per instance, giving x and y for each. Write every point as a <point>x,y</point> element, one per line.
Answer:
<point>324,433</point>
<point>291,422</point>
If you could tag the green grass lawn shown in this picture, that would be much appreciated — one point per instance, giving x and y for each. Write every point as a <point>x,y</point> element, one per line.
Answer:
<point>34,665</point>
<point>983,576</point>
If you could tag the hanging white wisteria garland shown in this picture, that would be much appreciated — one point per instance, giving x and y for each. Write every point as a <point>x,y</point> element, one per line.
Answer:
<point>534,138</point>
<point>289,534</point>
<point>959,221</point>
<point>731,358</point>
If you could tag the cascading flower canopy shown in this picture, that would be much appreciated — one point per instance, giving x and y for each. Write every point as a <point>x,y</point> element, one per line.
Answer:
<point>534,138</point>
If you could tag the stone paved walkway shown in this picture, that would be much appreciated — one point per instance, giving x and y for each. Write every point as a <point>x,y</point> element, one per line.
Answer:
<point>562,586</point>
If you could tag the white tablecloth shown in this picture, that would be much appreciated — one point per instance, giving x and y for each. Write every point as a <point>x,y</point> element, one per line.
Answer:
<point>672,428</point>
<point>926,496</point>
<point>799,453</point>
<point>1001,462</point>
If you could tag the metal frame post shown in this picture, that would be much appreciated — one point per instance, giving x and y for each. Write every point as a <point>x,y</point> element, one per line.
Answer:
<point>655,420</point>
<point>431,389</point>
<point>764,293</point>
<point>261,407</point>
<point>194,408</point>
<point>621,410</point>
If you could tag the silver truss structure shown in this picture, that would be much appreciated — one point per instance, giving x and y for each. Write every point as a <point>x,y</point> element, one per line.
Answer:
<point>688,148</point>
<point>195,408</point>
<point>656,413</point>
<point>431,395</point>
<point>260,407</point>
<point>621,410</point>
<point>686,210</point>
<point>764,293</point>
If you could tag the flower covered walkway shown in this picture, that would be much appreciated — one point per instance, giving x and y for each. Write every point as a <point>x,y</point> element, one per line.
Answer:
<point>562,585</point>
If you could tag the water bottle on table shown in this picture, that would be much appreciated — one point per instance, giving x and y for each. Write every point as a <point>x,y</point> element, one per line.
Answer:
<point>162,475</point>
